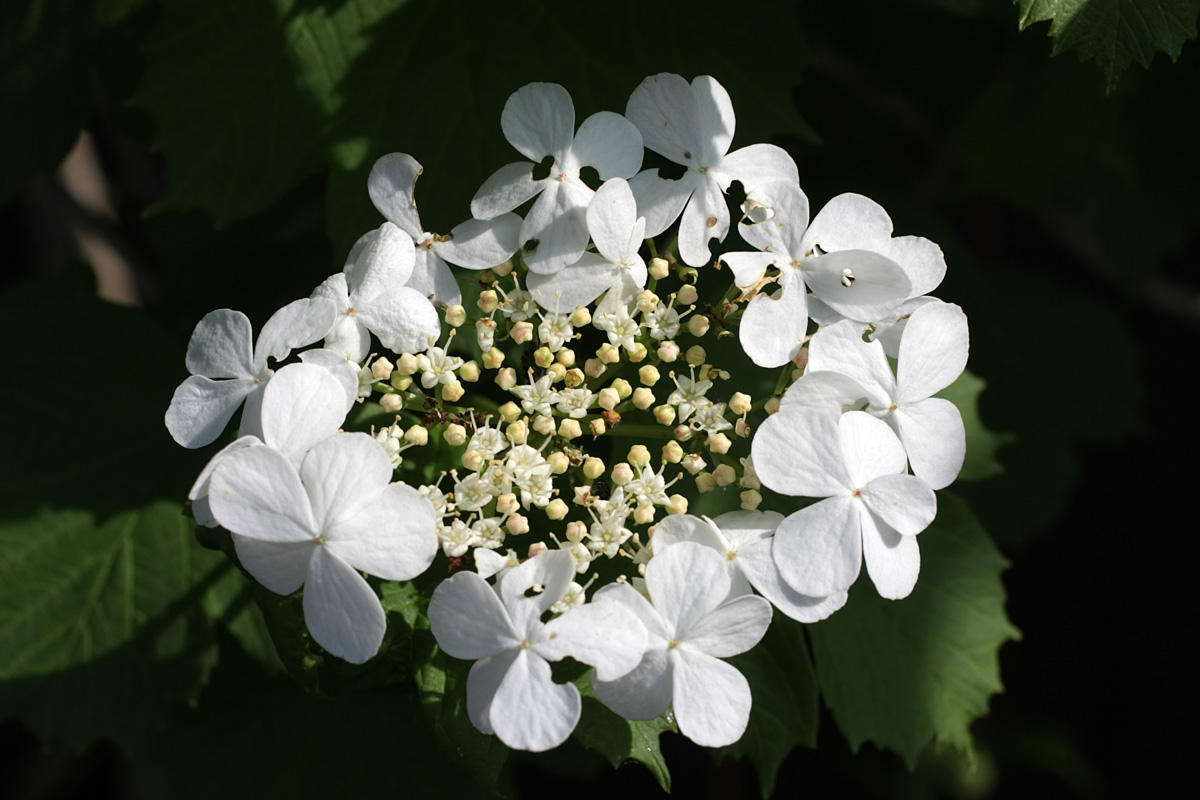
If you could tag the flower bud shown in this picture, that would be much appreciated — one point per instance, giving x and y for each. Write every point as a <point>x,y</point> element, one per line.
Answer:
<point>693,463</point>
<point>455,315</point>
<point>381,370</point>
<point>391,403</point>
<point>518,432</point>
<point>741,427</point>
<point>593,468</point>
<point>672,453</point>
<point>400,382</point>
<point>638,455</point>
<point>594,367</point>
<point>557,372</point>
<point>678,504</point>
<point>750,499</point>
<point>622,386</point>
<point>506,378</point>
<point>510,412</point>
<point>469,371</point>
<point>597,427</point>
<point>719,443</point>
<point>556,509</point>
<point>608,398</point>
<point>622,474</point>
<point>705,482</point>
<point>407,364</point>
<point>473,460</point>
<point>493,358</point>
<point>682,433</point>
<point>643,514</point>
<point>417,435</point>
<point>649,375</point>
<point>537,548</point>
<point>488,301</point>
<point>643,398</point>
<point>772,405</point>
<point>453,391</point>
<point>686,295</point>
<point>582,317</point>
<point>566,357</point>
<point>659,268</point>
<point>724,475</point>
<point>517,524</point>
<point>543,424</point>
<point>638,353</point>
<point>455,435</point>
<point>569,429</point>
<point>668,351</point>
<point>749,475</point>
<point>522,331</point>
<point>543,357</point>
<point>503,268</point>
<point>739,403</point>
<point>573,377</point>
<point>576,531</point>
<point>608,353</point>
<point>558,461</point>
<point>507,503</point>
<point>664,414</point>
<point>696,355</point>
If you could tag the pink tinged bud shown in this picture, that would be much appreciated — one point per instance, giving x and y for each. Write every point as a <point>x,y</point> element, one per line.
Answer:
<point>506,378</point>
<point>668,351</point>
<point>693,463</point>
<point>724,475</point>
<point>517,525</point>
<point>391,403</point>
<point>493,358</point>
<point>672,453</point>
<point>682,433</point>
<point>556,509</point>
<point>522,331</point>
<point>719,443</point>
<point>608,354</point>
<point>537,548</point>
<point>594,367</point>
<point>643,398</point>
<point>742,428</point>
<point>473,460</point>
<point>608,398</point>
<point>543,424</point>
<point>453,391</point>
<point>772,405</point>
<point>622,474</point>
<point>659,268</point>
<point>507,503</point>
<point>469,371</point>
<point>740,403</point>
<point>664,414</point>
<point>705,482</point>
<point>381,370</point>
<point>638,353</point>
<point>576,531</point>
<point>488,301</point>
<point>751,499</point>
<point>649,375</point>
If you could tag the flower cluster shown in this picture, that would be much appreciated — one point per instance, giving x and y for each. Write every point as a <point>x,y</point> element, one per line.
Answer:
<point>561,382</point>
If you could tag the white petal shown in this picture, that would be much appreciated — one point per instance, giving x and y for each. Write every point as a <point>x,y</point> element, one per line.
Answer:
<point>742,528</point>
<point>432,278</point>
<point>730,628</point>
<point>335,288</point>
<point>664,108</point>
<point>468,620</point>
<point>840,348</point>
<point>797,451</point>
<point>759,164</point>
<point>251,421</point>
<point>350,339</point>
<point>344,371</point>
<point>605,635</point>
<point>774,326</point>
<point>933,435</point>
<point>341,610</point>
<point>644,693</point>
<point>574,285</point>
<point>482,244</point>
<point>889,329</point>
<point>220,346</point>
<point>505,189</point>
<point>403,319</point>
<point>904,502</point>
<point>482,684</point>
<point>342,474</point>
<point>201,408</point>
<point>921,259</point>
<point>302,404</point>
<point>282,567</point>
<point>747,268</point>
<point>553,570</point>
<point>393,537</point>
<point>818,549</point>
<point>539,120</point>
<point>391,185</point>
<point>705,217</point>
<point>933,350</point>
<point>634,601</point>
<point>559,224</point>
<point>660,200</point>
<point>757,563</point>
<point>256,492</point>
<point>686,581</point>
<point>712,699</point>
<point>530,711</point>
<point>714,117</point>
<point>830,392</point>
<point>295,325</point>
<point>870,448</point>
<point>850,222</point>
<point>384,263</point>
<point>686,528</point>
<point>879,284</point>
<point>783,210</point>
<point>199,491</point>
<point>893,560</point>
<point>609,143</point>
<point>610,217</point>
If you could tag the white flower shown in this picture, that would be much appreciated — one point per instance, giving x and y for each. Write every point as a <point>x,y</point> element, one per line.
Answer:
<point>843,371</point>
<point>475,244</point>
<point>693,125</point>
<point>872,510</point>
<point>318,526</point>
<point>437,367</point>
<point>689,395</point>
<point>689,627</point>
<point>228,368</point>
<point>744,540</point>
<point>509,690</point>
<point>537,396</point>
<point>371,297</point>
<point>539,120</point>
<point>844,257</point>
<point>617,231</point>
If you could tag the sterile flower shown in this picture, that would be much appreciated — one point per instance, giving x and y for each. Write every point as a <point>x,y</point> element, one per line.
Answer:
<point>318,526</point>
<point>872,510</point>
<point>227,367</point>
<point>692,124</point>
<point>844,257</point>
<point>744,540</point>
<point>843,370</point>
<point>690,626</point>
<point>617,231</point>
<point>509,690</point>
<point>539,121</point>
<point>475,244</point>
<point>371,297</point>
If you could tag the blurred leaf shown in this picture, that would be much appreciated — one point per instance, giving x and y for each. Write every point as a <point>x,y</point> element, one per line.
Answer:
<point>784,714</point>
<point>981,460</point>
<point>907,673</point>
<point>619,739</point>
<point>1114,33</point>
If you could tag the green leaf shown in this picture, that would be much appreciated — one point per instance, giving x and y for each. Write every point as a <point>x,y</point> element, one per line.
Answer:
<point>907,673</point>
<point>1114,33</point>
<point>982,444</point>
<point>619,739</point>
<point>784,714</point>
<point>104,624</point>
